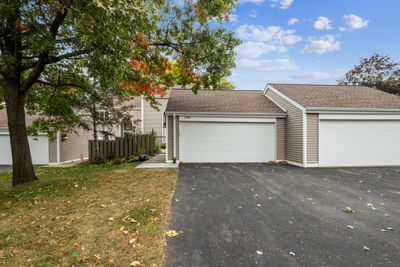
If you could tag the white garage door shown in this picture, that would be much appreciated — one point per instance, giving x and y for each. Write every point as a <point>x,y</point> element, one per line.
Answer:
<point>227,142</point>
<point>39,147</point>
<point>359,143</point>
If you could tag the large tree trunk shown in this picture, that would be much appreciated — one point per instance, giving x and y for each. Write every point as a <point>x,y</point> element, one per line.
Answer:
<point>21,156</point>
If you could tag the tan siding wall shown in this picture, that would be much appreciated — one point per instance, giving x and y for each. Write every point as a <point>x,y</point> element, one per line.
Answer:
<point>170,127</point>
<point>280,139</point>
<point>53,152</point>
<point>293,129</point>
<point>3,118</point>
<point>153,118</point>
<point>4,121</point>
<point>75,147</point>
<point>312,138</point>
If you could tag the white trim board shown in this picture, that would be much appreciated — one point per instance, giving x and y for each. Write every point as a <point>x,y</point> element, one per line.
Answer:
<point>291,101</point>
<point>335,116</point>
<point>225,119</point>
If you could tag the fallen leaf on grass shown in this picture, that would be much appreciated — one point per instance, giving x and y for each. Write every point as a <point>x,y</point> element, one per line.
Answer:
<point>350,226</point>
<point>135,263</point>
<point>348,210</point>
<point>291,253</point>
<point>131,241</point>
<point>259,252</point>
<point>371,206</point>
<point>366,248</point>
<point>258,205</point>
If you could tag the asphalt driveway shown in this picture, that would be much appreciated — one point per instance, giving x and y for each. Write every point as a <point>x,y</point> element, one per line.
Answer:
<point>263,215</point>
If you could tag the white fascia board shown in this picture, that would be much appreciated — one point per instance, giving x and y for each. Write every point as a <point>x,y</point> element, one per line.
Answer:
<point>227,114</point>
<point>354,116</point>
<point>291,101</point>
<point>352,110</point>
<point>226,119</point>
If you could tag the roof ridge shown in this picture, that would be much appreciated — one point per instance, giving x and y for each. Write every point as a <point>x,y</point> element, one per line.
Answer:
<point>317,84</point>
<point>219,90</point>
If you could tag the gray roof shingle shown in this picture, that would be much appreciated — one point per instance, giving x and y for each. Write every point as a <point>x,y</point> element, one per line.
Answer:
<point>338,96</point>
<point>230,101</point>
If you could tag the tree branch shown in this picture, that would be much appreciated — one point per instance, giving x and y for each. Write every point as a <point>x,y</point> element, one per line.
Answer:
<point>40,64</point>
<point>70,85</point>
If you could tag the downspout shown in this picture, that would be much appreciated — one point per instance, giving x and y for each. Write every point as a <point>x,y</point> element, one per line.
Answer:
<point>174,138</point>
<point>141,114</point>
<point>58,147</point>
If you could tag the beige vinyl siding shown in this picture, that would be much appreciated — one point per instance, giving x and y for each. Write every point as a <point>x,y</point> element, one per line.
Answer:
<point>312,138</point>
<point>4,121</point>
<point>53,151</point>
<point>3,118</point>
<point>170,126</point>
<point>153,117</point>
<point>293,129</point>
<point>280,138</point>
<point>76,147</point>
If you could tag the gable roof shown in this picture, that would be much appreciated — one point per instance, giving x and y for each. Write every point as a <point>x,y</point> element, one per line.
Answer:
<point>338,96</point>
<point>221,101</point>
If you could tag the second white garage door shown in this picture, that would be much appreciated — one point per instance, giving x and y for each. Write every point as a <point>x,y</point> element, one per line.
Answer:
<point>227,142</point>
<point>39,147</point>
<point>359,143</point>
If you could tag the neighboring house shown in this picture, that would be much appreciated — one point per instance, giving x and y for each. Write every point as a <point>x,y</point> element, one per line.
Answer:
<point>307,125</point>
<point>144,118</point>
<point>74,146</point>
<point>66,148</point>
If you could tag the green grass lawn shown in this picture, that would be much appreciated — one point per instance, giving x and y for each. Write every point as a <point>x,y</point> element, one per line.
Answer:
<point>86,215</point>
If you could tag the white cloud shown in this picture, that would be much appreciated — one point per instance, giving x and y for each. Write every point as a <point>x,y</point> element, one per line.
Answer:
<point>355,22</point>
<point>342,29</point>
<point>255,49</point>
<point>257,2</point>
<point>253,14</point>
<point>265,34</point>
<point>265,64</point>
<point>233,18</point>
<point>318,76</point>
<point>322,45</point>
<point>293,21</point>
<point>323,23</point>
<point>283,4</point>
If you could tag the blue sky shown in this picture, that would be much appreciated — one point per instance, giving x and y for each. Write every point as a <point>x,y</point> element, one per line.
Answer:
<point>310,41</point>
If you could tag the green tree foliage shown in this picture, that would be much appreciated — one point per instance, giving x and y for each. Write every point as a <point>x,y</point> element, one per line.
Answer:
<point>376,71</point>
<point>51,51</point>
<point>225,84</point>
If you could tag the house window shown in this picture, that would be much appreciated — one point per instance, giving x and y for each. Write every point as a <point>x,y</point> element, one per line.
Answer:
<point>127,128</point>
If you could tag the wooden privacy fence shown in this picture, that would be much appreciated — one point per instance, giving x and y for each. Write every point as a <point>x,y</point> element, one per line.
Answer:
<point>124,147</point>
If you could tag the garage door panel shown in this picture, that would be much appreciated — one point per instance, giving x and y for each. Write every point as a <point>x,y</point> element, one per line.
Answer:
<point>39,147</point>
<point>359,143</point>
<point>227,142</point>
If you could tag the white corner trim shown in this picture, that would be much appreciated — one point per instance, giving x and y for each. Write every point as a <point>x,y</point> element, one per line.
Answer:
<point>166,138</point>
<point>142,114</point>
<point>304,138</point>
<point>58,147</point>
<point>291,101</point>
<point>174,136</point>
<point>295,163</point>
